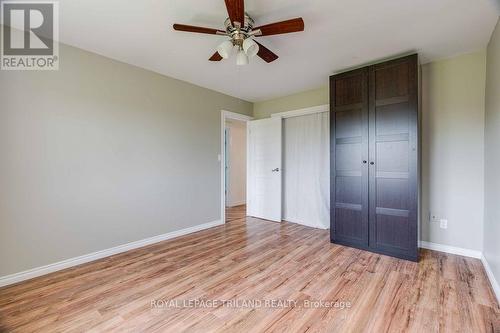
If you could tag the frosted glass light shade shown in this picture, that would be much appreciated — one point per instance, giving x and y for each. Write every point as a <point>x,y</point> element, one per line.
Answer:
<point>225,48</point>
<point>241,58</point>
<point>250,47</point>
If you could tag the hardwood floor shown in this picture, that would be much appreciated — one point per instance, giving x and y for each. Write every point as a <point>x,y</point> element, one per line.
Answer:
<point>254,260</point>
<point>236,213</point>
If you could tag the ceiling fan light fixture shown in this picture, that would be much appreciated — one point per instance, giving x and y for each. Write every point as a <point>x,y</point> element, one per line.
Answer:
<point>225,49</point>
<point>250,47</point>
<point>241,58</point>
<point>240,28</point>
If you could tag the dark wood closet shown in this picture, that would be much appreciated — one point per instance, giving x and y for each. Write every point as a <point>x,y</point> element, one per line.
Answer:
<point>374,158</point>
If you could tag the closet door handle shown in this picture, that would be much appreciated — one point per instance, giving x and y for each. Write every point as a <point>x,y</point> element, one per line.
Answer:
<point>364,162</point>
<point>372,163</point>
<point>275,170</point>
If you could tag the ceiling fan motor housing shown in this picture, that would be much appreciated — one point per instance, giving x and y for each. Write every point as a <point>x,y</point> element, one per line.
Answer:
<point>237,32</point>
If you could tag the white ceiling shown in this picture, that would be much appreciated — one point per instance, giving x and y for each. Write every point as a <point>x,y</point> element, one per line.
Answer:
<point>338,34</point>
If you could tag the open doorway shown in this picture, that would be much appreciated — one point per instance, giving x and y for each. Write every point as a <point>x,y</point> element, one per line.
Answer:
<point>235,135</point>
<point>234,166</point>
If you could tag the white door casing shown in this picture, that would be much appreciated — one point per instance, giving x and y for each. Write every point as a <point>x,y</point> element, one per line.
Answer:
<point>264,169</point>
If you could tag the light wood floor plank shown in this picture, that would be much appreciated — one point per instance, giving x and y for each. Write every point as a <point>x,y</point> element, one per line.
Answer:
<point>250,259</point>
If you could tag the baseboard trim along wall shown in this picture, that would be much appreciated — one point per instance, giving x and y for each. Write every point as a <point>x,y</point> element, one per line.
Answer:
<point>43,270</point>
<point>451,249</point>
<point>236,203</point>
<point>493,281</point>
<point>311,225</point>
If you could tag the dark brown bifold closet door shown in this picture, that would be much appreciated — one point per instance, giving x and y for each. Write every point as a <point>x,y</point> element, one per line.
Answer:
<point>393,151</point>
<point>349,158</point>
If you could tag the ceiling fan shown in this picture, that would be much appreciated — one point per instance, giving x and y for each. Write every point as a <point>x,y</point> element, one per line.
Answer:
<point>240,29</point>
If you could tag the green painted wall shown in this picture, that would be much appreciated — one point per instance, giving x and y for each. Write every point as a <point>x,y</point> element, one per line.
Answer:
<point>101,153</point>
<point>491,248</point>
<point>453,150</point>
<point>292,102</point>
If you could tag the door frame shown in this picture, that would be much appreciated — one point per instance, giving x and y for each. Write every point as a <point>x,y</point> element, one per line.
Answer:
<point>225,115</point>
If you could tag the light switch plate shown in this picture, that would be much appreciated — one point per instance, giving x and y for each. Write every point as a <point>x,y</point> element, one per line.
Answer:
<point>443,224</point>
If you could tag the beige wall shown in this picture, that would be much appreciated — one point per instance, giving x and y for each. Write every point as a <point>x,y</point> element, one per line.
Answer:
<point>453,141</point>
<point>101,153</point>
<point>452,149</point>
<point>292,102</point>
<point>492,156</point>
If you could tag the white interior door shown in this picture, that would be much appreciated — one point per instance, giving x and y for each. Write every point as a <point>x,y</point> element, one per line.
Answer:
<point>264,169</point>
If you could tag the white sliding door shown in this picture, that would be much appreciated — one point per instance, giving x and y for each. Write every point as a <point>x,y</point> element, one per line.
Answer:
<point>307,170</point>
<point>264,169</point>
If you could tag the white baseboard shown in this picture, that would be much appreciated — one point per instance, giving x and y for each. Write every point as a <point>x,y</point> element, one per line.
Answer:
<point>311,225</point>
<point>451,249</point>
<point>493,281</point>
<point>237,203</point>
<point>39,271</point>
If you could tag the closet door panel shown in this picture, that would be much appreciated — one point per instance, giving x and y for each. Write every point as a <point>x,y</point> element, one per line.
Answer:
<point>388,193</point>
<point>393,157</point>
<point>349,148</point>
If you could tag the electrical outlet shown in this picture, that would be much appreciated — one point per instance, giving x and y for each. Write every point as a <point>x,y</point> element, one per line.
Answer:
<point>443,224</point>
<point>433,217</point>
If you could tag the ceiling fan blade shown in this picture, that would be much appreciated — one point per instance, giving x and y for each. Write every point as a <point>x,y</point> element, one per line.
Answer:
<point>201,30</point>
<point>266,54</point>
<point>284,27</point>
<point>236,11</point>
<point>216,57</point>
